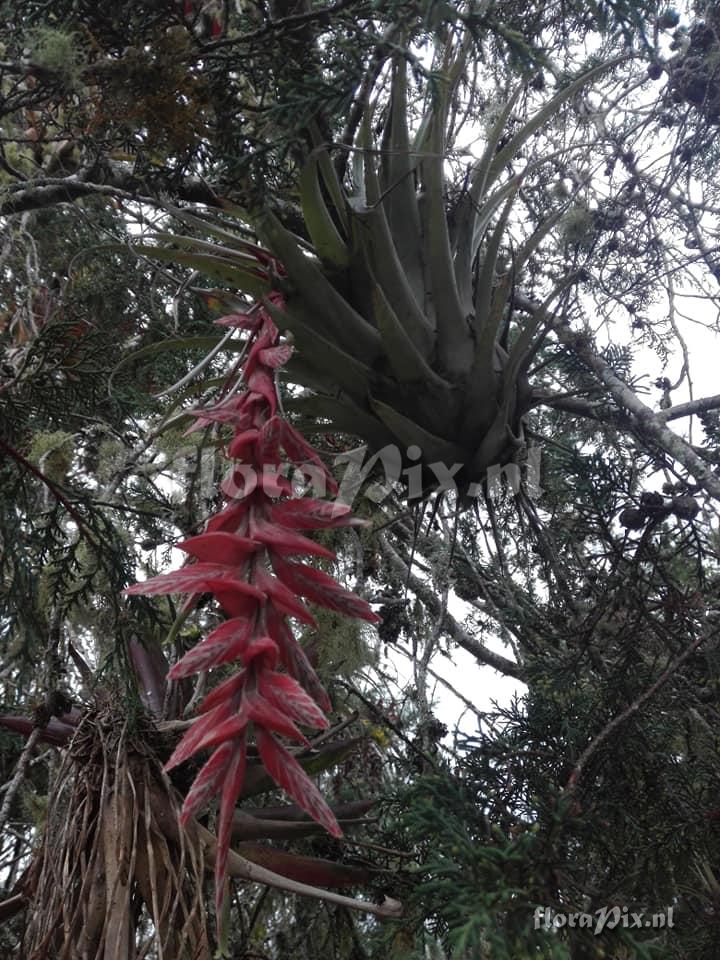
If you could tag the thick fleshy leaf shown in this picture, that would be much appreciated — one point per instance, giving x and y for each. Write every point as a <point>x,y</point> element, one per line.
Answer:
<point>229,239</point>
<point>226,270</point>
<point>332,310</point>
<point>322,589</point>
<point>55,732</point>
<point>313,870</point>
<point>151,669</point>
<point>208,782</point>
<point>288,774</point>
<point>407,362</point>
<point>175,344</point>
<point>326,239</point>
<point>291,813</point>
<point>218,547</point>
<point>332,415</point>
<point>454,340</point>
<point>352,374</point>
<point>222,300</point>
<point>410,433</point>
<point>398,171</point>
<point>504,155</point>
<point>287,694</point>
<point>244,257</point>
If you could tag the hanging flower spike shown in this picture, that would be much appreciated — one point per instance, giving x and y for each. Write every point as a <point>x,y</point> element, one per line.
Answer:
<point>242,559</point>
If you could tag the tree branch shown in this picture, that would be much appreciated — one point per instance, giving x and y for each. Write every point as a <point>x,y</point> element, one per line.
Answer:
<point>625,714</point>
<point>481,653</point>
<point>59,496</point>
<point>703,405</point>
<point>114,180</point>
<point>597,410</point>
<point>291,22</point>
<point>644,419</point>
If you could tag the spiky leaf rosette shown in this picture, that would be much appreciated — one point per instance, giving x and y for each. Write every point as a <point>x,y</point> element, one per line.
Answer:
<point>404,308</point>
<point>242,559</point>
<point>401,311</point>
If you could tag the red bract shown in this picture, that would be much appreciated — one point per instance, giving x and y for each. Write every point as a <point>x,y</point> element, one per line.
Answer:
<point>313,515</point>
<point>242,559</point>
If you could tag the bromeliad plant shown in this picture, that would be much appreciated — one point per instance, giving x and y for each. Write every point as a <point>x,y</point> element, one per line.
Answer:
<point>404,307</point>
<point>399,309</point>
<point>243,559</point>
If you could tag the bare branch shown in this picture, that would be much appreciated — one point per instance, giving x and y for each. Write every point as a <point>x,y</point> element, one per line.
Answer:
<point>625,714</point>
<point>19,775</point>
<point>597,410</point>
<point>114,181</point>
<point>481,653</point>
<point>646,421</point>
<point>702,405</point>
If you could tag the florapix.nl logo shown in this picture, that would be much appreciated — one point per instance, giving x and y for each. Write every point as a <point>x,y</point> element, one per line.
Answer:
<point>371,475</point>
<point>606,918</point>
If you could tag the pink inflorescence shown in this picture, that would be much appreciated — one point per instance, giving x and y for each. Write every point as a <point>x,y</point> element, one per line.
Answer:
<point>242,559</point>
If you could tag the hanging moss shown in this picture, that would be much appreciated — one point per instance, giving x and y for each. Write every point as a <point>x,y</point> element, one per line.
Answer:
<point>57,52</point>
<point>339,644</point>
<point>579,226</point>
<point>52,452</point>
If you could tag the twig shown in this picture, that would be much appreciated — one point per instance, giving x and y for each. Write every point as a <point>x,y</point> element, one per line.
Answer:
<point>60,497</point>
<point>282,23</point>
<point>18,776</point>
<point>11,906</point>
<point>609,728</point>
<point>645,420</point>
<point>481,653</point>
